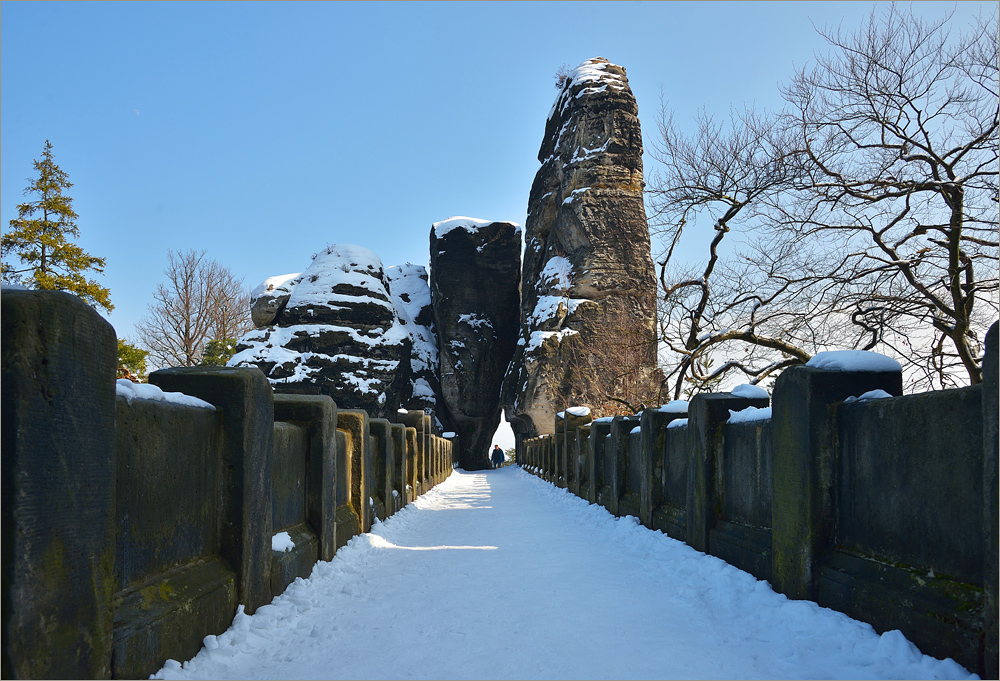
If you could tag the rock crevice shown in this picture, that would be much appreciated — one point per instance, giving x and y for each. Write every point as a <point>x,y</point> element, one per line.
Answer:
<point>475,289</point>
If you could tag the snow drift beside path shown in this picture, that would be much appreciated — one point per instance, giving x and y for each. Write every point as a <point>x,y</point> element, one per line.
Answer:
<point>499,575</point>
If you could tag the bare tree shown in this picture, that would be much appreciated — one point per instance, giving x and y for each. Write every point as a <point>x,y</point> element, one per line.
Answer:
<point>728,170</point>
<point>867,211</point>
<point>201,301</point>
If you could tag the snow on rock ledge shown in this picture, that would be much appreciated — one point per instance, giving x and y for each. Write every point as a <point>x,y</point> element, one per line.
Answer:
<point>411,296</point>
<point>468,224</point>
<point>268,298</point>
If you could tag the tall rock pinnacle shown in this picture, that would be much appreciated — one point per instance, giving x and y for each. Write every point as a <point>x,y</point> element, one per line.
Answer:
<point>588,302</point>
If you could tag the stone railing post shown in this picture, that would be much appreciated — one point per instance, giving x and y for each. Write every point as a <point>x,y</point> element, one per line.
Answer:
<point>246,401</point>
<point>570,423</point>
<point>399,472</point>
<point>582,454</point>
<point>348,523</point>
<point>653,423</point>
<point>559,474</point>
<point>616,460</point>
<point>438,459</point>
<point>421,423</point>
<point>318,415</point>
<point>549,447</point>
<point>803,432</point>
<point>354,422</point>
<point>381,487</point>
<point>707,414</point>
<point>991,385</point>
<point>599,431</point>
<point>411,463</point>
<point>58,453</point>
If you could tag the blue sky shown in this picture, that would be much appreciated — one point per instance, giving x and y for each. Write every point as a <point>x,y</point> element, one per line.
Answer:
<point>262,132</point>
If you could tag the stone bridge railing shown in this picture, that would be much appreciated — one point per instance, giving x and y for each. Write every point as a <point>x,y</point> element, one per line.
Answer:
<point>883,509</point>
<point>133,528</point>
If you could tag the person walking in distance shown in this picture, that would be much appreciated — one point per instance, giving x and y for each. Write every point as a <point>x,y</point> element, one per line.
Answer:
<point>497,456</point>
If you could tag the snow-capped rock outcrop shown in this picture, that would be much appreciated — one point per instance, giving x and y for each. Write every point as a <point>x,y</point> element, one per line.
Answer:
<point>475,290</point>
<point>333,330</point>
<point>588,303</point>
<point>269,298</point>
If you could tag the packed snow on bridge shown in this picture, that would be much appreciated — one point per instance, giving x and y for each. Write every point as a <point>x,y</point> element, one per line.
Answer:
<point>521,579</point>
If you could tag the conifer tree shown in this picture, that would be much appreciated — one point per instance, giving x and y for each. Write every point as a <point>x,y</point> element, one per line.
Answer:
<point>131,361</point>
<point>40,238</point>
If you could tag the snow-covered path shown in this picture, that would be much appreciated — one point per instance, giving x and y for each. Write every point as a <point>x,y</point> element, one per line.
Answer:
<point>498,575</point>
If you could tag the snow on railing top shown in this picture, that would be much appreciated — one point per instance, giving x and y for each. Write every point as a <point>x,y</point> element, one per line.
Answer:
<point>145,391</point>
<point>749,414</point>
<point>876,394</point>
<point>674,407</point>
<point>749,391</point>
<point>853,360</point>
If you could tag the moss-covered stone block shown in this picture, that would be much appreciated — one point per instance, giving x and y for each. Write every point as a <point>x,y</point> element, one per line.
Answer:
<point>581,457</point>
<point>991,667</point>
<point>630,502</point>
<point>383,455</point>
<point>172,587</point>
<point>411,463</point>
<point>246,403</point>
<point>59,359</point>
<point>653,425</point>
<point>599,430</point>
<point>802,504</point>
<point>168,487</point>
<point>707,415</point>
<point>940,615</point>
<point>421,424</point>
<point>566,427</point>
<point>318,415</point>
<point>288,501</point>
<point>616,461</point>
<point>296,562</point>
<point>354,423</point>
<point>169,616</point>
<point>398,472</point>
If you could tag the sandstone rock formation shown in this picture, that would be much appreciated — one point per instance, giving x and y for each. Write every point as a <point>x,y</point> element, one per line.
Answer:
<point>475,281</point>
<point>411,295</point>
<point>332,330</point>
<point>588,304</point>
<point>268,299</point>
